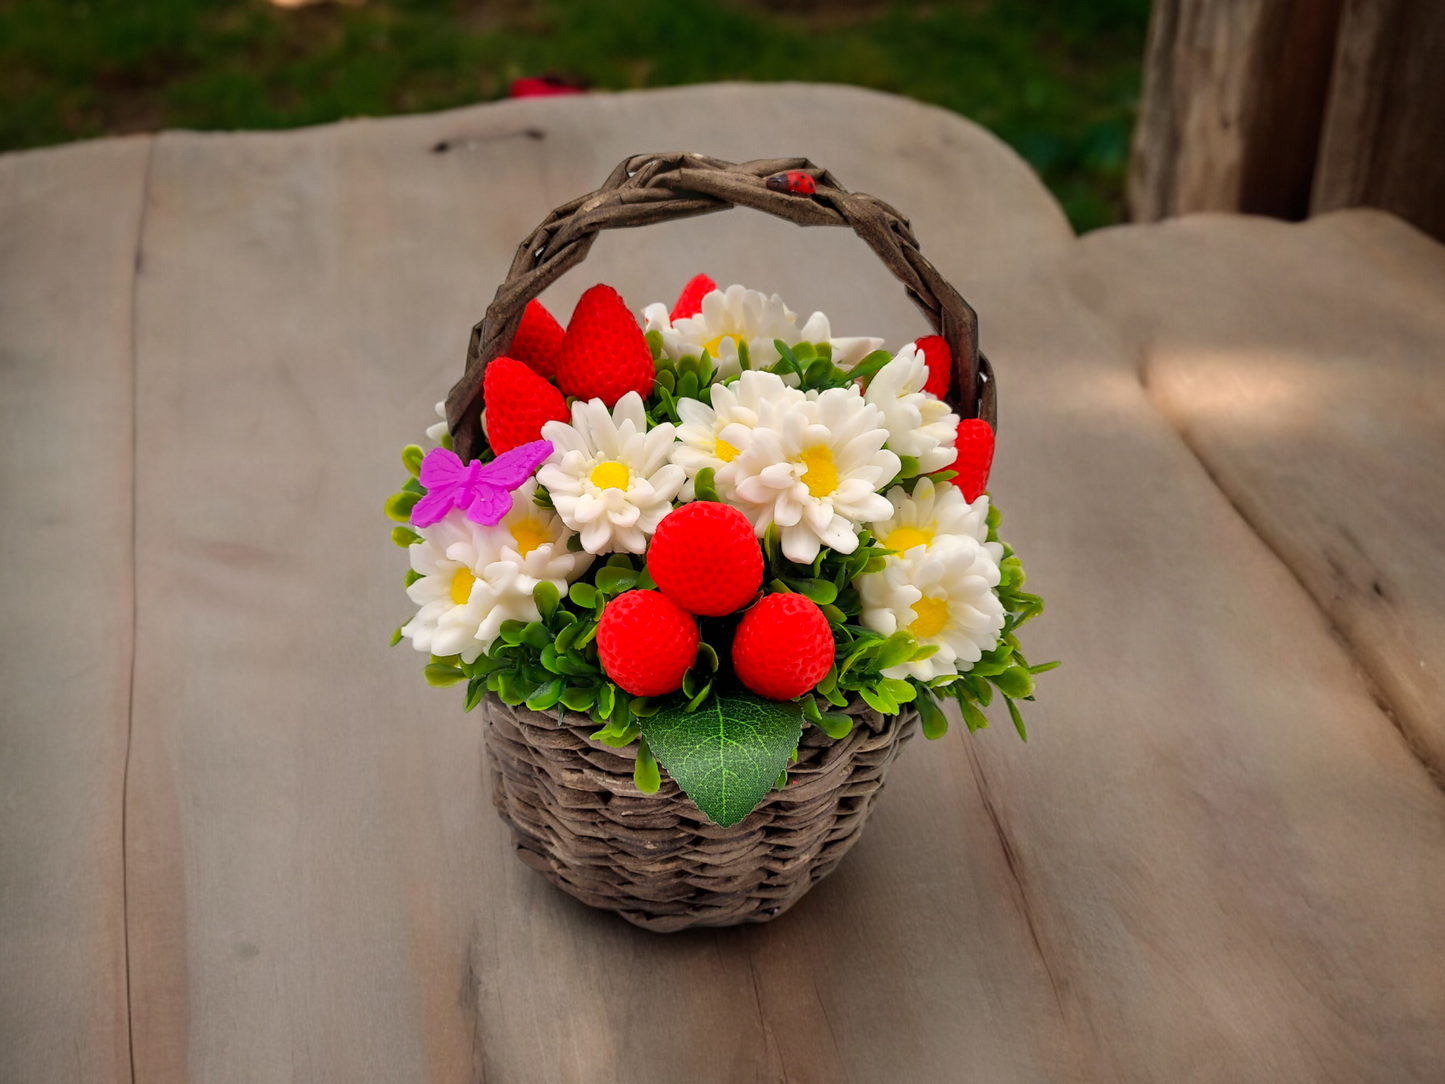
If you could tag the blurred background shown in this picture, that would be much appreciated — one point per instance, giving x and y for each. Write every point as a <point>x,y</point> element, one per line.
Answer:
<point>1126,109</point>
<point>1057,79</point>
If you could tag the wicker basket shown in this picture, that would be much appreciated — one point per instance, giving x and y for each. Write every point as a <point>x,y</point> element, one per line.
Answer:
<point>575,813</point>
<point>579,820</point>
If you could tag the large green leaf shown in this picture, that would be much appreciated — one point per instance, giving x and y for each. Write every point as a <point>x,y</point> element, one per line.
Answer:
<point>728,753</point>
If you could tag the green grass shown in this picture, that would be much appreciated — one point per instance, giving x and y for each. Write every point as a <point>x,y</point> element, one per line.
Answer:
<point>1057,79</point>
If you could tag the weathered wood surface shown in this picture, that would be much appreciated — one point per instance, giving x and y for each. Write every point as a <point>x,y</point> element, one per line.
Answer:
<point>1385,125</point>
<point>1306,367</point>
<point>1233,103</point>
<point>1215,859</point>
<point>69,221</point>
<point>1292,107</point>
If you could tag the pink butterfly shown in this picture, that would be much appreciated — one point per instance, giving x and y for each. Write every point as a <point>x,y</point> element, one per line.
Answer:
<point>483,489</point>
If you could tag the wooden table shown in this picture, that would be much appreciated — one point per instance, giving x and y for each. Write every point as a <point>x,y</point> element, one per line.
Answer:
<point>241,841</point>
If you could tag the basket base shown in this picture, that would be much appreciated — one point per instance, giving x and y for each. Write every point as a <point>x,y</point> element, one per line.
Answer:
<point>577,818</point>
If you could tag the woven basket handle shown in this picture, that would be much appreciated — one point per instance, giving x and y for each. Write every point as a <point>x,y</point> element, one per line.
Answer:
<point>648,188</point>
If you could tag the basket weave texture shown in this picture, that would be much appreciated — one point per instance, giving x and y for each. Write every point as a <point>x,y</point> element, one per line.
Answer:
<point>578,818</point>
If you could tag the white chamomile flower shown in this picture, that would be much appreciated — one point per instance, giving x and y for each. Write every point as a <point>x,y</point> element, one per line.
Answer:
<point>738,314</point>
<point>918,424</point>
<point>434,433</point>
<point>943,594</point>
<point>475,577</point>
<point>609,475</point>
<point>933,514</point>
<point>700,434</point>
<point>814,468</point>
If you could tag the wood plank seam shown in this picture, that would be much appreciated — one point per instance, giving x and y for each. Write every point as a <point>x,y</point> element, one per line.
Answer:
<point>1413,741</point>
<point>136,266</point>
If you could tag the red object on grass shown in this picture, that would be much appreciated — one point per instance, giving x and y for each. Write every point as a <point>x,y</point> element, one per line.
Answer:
<point>543,86</point>
<point>783,647</point>
<point>975,457</point>
<point>646,642</point>
<point>689,302</point>
<point>706,558</point>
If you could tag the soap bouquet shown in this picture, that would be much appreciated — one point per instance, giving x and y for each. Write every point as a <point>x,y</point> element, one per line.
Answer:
<point>709,529</point>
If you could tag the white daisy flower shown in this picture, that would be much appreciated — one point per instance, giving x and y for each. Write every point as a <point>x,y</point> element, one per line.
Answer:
<point>475,577</point>
<point>814,468</point>
<point>738,314</point>
<point>609,476</point>
<point>700,434</point>
<point>918,425</point>
<point>434,433</point>
<point>933,514</point>
<point>943,594</point>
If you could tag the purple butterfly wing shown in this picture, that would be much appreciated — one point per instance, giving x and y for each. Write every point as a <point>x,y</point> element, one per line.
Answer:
<point>489,504</point>
<point>433,507</point>
<point>511,469</point>
<point>441,469</point>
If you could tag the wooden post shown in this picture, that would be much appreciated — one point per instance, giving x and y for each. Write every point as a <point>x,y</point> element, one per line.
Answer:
<point>1289,107</point>
<point>1384,131</point>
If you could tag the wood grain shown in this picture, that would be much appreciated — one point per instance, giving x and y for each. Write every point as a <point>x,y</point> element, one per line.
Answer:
<point>69,221</point>
<point>1303,365</point>
<point>1215,859</point>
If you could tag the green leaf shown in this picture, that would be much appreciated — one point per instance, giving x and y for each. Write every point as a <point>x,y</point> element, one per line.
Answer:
<point>878,700</point>
<point>476,689</point>
<point>727,755</point>
<point>654,343</point>
<point>897,649</point>
<point>975,719</point>
<point>1013,710</point>
<point>579,699</point>
<point>404,536</point>
<point>440,675</point>
<point>584,594</point>
<point>399,505</point>
<point>411,457</point>
<point>614,581</point>
<point>546,697</point>
<point>834,724</point>
<point>820,591</point>
<point>412,575</point>
<point>870,365</point>
<point>901,691</point>
<point>396,636</point>
<point>645,774</point>
<point>1015,682</point>
<point>781,782</point>
<point>547,598</point>
<point>606,699</point>
<point>935,723</point>
<point>704,486</point>
<point>1044,667</point>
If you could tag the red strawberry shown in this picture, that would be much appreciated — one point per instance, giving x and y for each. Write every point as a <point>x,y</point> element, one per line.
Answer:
<point>975,457</point>
<point>783,647</point>
<point>705,557</point>
<point>689,302</point>
<point>646,643</point>
<point>604,355</point>
<point>538,339</point>
<point>940,364</point>
<point>518,403</point>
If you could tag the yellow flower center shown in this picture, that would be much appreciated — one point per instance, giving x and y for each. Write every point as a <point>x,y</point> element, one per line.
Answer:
<point>821,477</point>
<point>462,586</point>
<point>904,539</point>
<point>724,451</point>
<point>712,345</point>
<point>610,475</point>
<point>932,616</point>
<point>529,534</point>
